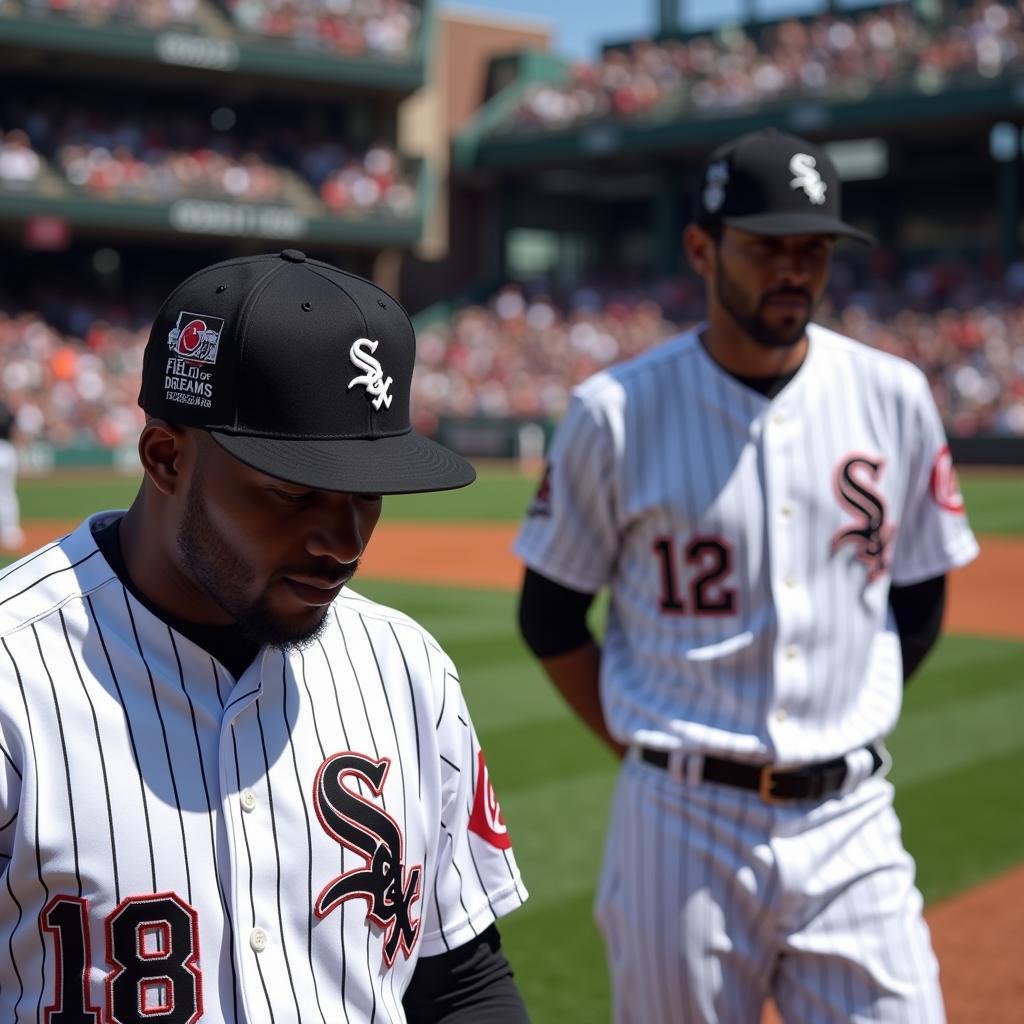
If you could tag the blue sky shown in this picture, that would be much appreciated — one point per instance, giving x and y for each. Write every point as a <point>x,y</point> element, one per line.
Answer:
<point>580,26</point>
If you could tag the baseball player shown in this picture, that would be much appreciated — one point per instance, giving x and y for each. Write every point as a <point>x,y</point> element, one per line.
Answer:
<point>11,536</point>
<point>232,789</point>
<point>774,510</point>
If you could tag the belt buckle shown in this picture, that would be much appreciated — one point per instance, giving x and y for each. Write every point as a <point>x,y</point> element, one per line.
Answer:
<point>766,786</point>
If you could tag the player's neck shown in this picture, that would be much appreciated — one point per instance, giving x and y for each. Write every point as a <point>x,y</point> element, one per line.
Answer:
<point>737,353</point>
<point>156,574</point>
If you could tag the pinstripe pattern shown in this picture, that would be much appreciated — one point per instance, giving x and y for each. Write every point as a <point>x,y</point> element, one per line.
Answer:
<point>710,900</point>
<point>127,751</point>
<point>669,445</point>
<point>707,892</point>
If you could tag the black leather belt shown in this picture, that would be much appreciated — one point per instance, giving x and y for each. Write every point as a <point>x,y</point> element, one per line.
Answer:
<point>810,782</point>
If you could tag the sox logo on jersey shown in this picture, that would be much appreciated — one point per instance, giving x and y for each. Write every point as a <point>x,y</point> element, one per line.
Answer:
<point>387,886</point>
<point>856,480</point>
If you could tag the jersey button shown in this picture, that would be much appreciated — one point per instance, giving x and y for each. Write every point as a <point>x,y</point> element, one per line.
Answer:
<point>791,652</point>
<point>778,419</point>
<point>258,940</point>
<point>248,801</point>
<point>786,511</point>
<point>790,582</point>
<point>780,715</point>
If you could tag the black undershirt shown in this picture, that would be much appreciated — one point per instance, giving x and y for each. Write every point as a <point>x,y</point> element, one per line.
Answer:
<point>767,386</point>
<point>472,984</point>
<point>6,422</point>
<point>226,643</point>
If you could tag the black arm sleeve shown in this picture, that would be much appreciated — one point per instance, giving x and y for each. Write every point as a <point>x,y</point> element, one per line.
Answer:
<point>472,984</point>
<point>552,618</point>
<point>918,612</point>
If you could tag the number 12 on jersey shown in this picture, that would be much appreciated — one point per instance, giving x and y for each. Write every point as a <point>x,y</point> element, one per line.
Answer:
<point>706,562</point>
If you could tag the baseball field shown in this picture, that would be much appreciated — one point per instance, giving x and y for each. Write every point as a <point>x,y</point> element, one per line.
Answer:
<point>958,752</point>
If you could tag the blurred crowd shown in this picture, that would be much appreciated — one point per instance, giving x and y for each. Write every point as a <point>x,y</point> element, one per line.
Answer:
<point>838,55</point>
<point>71,373</point>
<point>72,388</point>
<point>349,184</point>
<point>150,14</point>
<point>19,162</point>
<point>165,156</point>
<point>521,352</point>
<point>379,29</point>
<point>384,29</point>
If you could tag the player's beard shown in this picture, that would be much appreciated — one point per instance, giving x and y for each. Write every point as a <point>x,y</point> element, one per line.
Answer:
<point>751,321</point>
<point>227,579</point>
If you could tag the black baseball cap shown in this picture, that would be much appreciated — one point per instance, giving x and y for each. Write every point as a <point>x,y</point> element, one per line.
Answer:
<point>770,183</point>
<point>301,371</point>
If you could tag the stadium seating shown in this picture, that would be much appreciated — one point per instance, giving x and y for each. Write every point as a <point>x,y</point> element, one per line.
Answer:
<point>385,29</point>
<point>521,352</point>
<point>72,375</point>
<point>148,14</point>
<point>171,154</point>
<point>840,56</point>
<point>375,29</point>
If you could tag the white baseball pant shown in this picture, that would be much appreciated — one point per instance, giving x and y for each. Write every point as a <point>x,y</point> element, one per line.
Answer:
<point>711,900</point>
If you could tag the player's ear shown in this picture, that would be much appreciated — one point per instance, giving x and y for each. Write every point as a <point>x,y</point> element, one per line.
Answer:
<point>699,246</point>
<point>166,450</point>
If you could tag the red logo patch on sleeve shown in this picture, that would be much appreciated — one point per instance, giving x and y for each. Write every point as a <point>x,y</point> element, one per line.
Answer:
<point>486,820</point>
<point>944,485</point>
<point>541,504</point>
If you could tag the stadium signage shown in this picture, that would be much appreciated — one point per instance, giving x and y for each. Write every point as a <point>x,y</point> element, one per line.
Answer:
<point>197,216</point>
<point>196,51</point>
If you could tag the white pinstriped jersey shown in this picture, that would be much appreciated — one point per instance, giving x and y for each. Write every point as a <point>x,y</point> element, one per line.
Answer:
<point>750,543</point>
<point>180,846</point>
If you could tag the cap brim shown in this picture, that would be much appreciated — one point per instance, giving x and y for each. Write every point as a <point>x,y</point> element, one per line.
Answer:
<point>775,224</point>
<point>401,464</point>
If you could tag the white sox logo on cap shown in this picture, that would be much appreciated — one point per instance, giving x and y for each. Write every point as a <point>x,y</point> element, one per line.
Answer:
<point>373,379</point>
<point>807,177</point>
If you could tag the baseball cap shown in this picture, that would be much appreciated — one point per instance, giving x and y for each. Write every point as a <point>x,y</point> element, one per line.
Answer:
<point>770,183</point>
<point>298,369</point>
